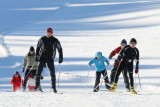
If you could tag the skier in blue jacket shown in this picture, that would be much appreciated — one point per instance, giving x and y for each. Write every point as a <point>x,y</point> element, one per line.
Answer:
<point>100,69</point>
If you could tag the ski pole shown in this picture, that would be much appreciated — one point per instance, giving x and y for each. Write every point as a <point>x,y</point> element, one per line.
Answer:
<point>102,80</point>
<point>29,71</point>
<point>59,75</point>
<point>87,78</point>
<point>105,76</point>
<point>139,82</point>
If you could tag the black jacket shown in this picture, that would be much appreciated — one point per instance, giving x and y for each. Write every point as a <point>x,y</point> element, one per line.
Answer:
<point>46,48</point>
<point>130,53</point>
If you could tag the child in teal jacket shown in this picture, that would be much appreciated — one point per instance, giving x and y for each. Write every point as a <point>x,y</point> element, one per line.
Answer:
<point>99,62</point>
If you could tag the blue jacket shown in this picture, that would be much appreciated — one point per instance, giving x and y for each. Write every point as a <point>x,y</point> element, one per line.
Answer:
<point>99,64</point>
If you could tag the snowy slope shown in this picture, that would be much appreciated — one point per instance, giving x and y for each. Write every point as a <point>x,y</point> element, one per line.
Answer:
<point>83,27</point>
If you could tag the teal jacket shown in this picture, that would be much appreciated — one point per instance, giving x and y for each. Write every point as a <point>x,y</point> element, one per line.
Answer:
<point>99,64</point>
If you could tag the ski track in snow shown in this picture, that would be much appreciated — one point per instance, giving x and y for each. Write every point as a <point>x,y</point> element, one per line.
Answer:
<point>83,28</point>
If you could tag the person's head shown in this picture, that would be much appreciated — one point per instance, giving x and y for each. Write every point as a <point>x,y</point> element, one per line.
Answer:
<point>31,50</point>
<point>123,43</point>
<point>133,43</point>
<point>98,55</point>
<point>16,74</point>
<point>49,32</point>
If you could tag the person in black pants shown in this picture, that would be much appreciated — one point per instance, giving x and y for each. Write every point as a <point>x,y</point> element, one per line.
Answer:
<point>30,65</point>
<point>127,55</point>
<point>45,53</point>
<point>116,63</point>
<point>98,77</point>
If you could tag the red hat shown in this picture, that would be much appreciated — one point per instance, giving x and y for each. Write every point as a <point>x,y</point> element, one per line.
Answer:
<point>49,30</point>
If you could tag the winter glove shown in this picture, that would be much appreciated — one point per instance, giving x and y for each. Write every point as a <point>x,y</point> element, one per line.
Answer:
<point>45,65</point>
<point>60,60</point>
<point>110,57</point>
<point>41,77</point>
<point>137,70</point>
<point>23,69</point>
<point>37,58</point>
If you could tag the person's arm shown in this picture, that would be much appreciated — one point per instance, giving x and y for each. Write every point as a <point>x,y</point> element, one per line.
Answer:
<point>60,50</point>
<point>114,52</point>
<point>120,56</point>
<point>24,63</point>
<point>38,47</point>
<point>137,58</point>
<point>91,62</point>
<point>11,82</point>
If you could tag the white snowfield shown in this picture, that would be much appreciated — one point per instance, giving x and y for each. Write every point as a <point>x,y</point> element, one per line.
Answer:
<point>83,28</point>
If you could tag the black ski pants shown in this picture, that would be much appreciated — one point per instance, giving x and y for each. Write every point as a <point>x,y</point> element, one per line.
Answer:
<point>125,64</point>
<point>98,77</point>
<point>27,73</point>
<point>125,76</point>
<point>50,64</point>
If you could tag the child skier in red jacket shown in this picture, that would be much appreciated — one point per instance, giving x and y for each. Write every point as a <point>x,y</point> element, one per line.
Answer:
<point>16,81</point>
<point>31,82</point>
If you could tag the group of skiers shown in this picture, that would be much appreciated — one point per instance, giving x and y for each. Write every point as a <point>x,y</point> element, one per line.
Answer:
<point>124,63</point>
<point>35,61</point>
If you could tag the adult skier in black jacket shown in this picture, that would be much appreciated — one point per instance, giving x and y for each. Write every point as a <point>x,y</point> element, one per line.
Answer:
<point>45,53</point>
<point>127,55</point>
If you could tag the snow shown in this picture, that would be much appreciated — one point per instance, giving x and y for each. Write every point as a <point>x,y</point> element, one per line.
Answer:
<point>83,28</point>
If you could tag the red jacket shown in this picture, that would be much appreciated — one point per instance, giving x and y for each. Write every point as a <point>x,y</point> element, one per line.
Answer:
<point>115,51</point>
<point>16,81</point>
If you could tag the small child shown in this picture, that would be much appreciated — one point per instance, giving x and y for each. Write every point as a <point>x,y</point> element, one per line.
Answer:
<point>31,82</point>
<point>100,69</point>
<point>16,81</point>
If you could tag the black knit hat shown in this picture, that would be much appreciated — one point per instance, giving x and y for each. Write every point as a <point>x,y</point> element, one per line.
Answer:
<point>123,41</point>
<point>16,73</point>
<point>31,48</point>
<point>133,40</point>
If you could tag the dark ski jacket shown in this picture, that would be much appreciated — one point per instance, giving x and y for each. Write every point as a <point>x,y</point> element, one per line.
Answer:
<point>130,53</point>
<point>46,48</point>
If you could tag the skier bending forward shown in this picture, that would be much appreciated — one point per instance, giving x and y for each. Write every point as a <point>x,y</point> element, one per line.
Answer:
<point>127,55</point>
<point>100,69</point>
<point>116,63</point>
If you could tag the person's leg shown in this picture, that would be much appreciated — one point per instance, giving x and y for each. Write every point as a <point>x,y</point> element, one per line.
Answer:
<point>38,73</point>
<point>119,70</point>
<point>34,72</point>
<point>130,68</point>
<point>121,67</point>
<point>51,67</point>
<point>112,75</point>
<point>27,73</point>
<point>126,80</point>
<point>104,73</point>
<point>98,77</point>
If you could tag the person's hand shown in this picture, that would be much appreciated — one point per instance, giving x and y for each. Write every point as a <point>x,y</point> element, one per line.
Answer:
<point>60,60</point>
<point>110,57</point>
<point>45,65</point>
<point>89,65</point>
<point>37,58</point>
<point>137,70</point>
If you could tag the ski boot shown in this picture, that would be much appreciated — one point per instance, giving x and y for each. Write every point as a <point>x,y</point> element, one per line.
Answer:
<point>128,89</point>
<point>37,89</point>
<point>95,90</point>
<point>113,88</point>
<point>23,88</point>
<point>54,90</point>
<point>133,91</point>
<point>107,86</point>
